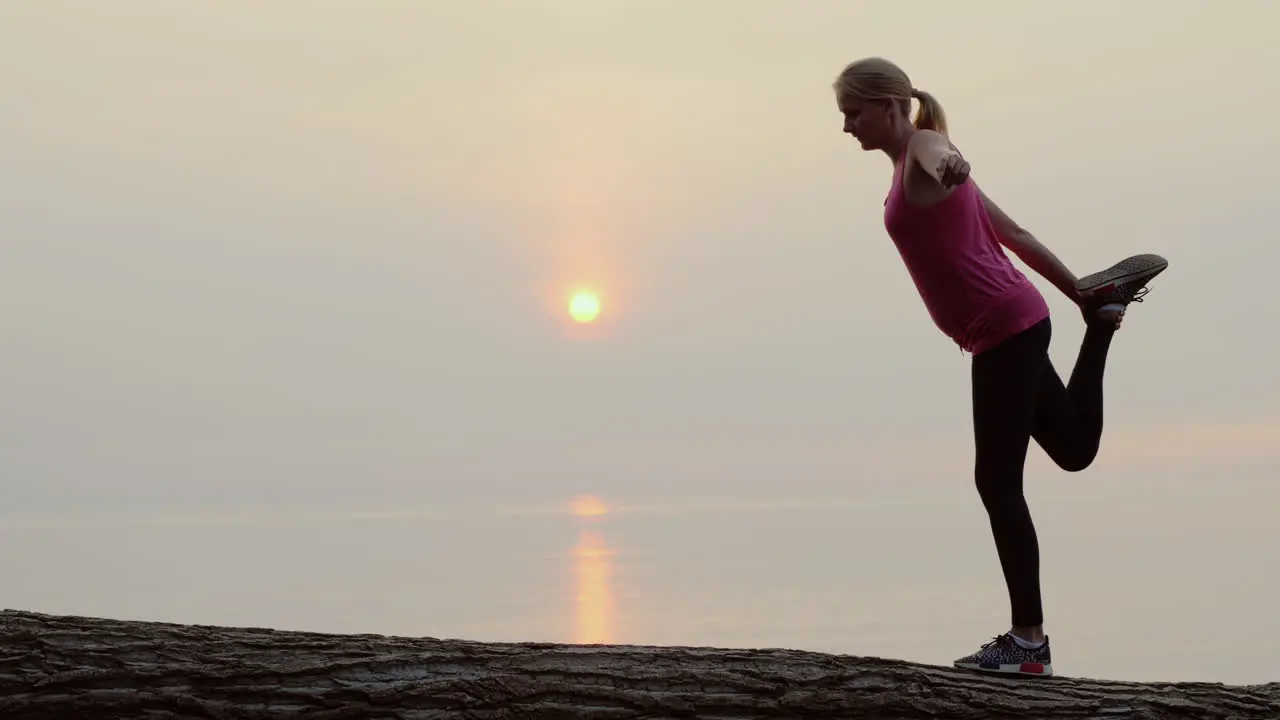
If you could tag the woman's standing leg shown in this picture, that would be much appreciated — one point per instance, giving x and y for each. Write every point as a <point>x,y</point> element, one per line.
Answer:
<point>1006,384</point>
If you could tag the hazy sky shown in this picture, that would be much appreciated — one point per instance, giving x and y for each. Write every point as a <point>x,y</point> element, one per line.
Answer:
<point>314,257</point>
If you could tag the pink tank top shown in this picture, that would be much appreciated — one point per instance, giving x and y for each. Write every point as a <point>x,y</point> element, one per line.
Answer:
<point>973,292</point>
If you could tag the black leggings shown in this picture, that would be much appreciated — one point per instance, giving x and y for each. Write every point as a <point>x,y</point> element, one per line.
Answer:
<point>1017,395</point>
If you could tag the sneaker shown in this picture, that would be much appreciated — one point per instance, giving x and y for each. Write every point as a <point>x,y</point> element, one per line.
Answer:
<point>1004,655</point>
<point>1122,283</point>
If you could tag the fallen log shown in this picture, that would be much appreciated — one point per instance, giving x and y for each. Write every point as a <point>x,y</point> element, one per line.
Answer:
<point>65,667</point>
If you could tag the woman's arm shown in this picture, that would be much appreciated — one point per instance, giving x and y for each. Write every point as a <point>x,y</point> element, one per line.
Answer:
<point>1032,251</point>
<point>944,163</point>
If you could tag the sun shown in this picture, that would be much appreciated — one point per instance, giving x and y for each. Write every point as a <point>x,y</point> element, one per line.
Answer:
<point>584,307</point>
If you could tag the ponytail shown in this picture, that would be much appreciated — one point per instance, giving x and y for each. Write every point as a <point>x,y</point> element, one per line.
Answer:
<point>930,115</point>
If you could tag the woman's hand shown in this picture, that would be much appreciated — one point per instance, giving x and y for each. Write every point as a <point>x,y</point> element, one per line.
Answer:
<point>1089,309</point>
<point>953,169</point>
<point>940,159</point>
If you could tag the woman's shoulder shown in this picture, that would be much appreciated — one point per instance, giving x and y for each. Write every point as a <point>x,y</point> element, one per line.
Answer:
<point>923,142</point>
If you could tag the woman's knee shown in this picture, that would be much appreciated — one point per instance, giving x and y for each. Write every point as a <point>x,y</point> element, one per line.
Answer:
<point>1076,464</point>
<point>1079,458</point>
<point>998,486</point>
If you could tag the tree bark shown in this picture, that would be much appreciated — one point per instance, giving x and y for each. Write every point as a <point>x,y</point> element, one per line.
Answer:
<point>65,667</point>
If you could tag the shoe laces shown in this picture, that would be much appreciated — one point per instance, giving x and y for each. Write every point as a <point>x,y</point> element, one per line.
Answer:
<point>1136,296</point>
<point>1001,639</point>
<point>1124,295</point>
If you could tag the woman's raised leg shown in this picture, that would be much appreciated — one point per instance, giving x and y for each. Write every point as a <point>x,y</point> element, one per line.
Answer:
<point>1068,418</point>
<point>1068,422</point>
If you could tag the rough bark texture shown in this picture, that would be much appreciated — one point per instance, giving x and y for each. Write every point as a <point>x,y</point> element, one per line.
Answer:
<point>62,668</point>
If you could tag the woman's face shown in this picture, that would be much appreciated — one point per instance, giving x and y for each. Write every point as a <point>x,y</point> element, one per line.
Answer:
<point>868,121</point>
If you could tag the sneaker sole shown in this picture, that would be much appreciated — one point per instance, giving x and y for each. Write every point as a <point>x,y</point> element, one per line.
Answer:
<point>1139,267</point>
<point>1032,669</point>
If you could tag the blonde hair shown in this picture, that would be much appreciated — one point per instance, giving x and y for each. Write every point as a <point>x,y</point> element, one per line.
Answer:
<point>876,78</point>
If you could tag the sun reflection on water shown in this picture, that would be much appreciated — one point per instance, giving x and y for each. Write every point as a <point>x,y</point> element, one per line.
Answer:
<point>594,619</point>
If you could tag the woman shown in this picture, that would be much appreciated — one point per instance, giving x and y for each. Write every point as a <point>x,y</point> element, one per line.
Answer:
<point>950,236</point>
